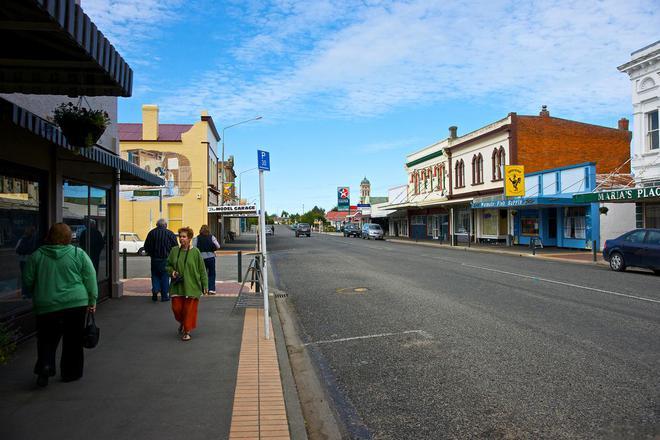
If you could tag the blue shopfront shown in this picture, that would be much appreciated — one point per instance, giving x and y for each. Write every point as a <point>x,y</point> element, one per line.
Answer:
<point>548,211</point>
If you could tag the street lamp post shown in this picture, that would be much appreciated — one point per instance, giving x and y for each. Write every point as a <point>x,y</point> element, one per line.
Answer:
<point>222,186</point>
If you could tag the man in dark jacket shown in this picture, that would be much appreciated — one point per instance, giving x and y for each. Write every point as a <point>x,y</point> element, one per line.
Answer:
<point>158,244</point>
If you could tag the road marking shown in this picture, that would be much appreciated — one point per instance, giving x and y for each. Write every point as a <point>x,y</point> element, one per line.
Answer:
<point>422,333</point>
<point>577,286</point>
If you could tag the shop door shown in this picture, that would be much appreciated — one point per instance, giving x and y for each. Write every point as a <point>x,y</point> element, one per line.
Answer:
<point>551,238</point>
<point>443,225</point>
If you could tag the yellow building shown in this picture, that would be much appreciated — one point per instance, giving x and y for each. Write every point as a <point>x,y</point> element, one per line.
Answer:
<point>184,155</point>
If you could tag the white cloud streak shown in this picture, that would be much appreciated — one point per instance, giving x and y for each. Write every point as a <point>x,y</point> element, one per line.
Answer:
<point>336,58</point>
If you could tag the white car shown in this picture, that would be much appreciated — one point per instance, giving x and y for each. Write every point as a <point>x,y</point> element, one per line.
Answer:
<point>132,243</point>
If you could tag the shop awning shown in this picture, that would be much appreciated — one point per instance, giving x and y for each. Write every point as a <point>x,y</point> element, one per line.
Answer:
<point>52,47</point>
<point>130,174</point>
<point>623,195</point>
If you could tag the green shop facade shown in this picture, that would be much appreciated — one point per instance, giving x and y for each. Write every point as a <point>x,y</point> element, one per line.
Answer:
<point>646,199</point>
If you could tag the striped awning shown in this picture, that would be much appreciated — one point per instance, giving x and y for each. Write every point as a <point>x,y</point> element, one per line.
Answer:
<point>129,173</point>
<point>53,47</point>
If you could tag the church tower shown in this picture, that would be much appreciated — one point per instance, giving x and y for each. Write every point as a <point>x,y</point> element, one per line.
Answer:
<point>365,191</point>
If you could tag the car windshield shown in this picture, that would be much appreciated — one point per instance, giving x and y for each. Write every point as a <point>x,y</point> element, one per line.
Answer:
<point>376,227</point>
<point>303,225</point>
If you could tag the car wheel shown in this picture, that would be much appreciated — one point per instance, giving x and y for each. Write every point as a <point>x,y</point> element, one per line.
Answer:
<point>141,252</point>
<point>616,262</point>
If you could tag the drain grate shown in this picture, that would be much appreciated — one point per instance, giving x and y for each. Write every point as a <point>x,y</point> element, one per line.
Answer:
<point>281,295</point>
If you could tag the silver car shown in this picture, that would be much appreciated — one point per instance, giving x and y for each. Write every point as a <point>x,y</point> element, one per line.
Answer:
<point>372,230</point>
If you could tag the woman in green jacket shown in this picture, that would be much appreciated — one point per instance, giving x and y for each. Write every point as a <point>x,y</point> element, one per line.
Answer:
<point>189,281</point>
<point>62,280</point>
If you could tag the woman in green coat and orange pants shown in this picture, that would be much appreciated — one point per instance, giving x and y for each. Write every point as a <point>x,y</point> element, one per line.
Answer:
<point>189,281</point>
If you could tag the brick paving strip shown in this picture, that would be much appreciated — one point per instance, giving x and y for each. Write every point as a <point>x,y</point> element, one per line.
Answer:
<point>259,411</point>
<point>142,287</point>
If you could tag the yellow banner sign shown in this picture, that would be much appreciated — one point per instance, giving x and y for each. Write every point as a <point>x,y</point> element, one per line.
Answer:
<point>514,180</point>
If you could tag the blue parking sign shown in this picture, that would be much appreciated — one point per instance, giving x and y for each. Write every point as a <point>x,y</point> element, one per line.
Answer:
<point>263,160</point>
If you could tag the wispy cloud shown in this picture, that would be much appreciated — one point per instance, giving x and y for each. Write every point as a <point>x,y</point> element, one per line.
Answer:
<point>341,58</point>
<point>130,24</point>
<point>409,143</point>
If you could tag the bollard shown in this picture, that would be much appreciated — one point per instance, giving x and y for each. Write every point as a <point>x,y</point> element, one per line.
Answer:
<point>532,241</point>
<point>240,266</point>
<point>124,265</point>
<point>594,250</point>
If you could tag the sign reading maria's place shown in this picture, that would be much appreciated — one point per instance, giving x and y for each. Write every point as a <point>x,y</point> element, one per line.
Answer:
<point>619,195</point>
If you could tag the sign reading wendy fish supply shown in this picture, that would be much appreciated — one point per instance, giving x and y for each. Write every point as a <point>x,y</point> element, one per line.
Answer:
<point>514,180</point>
<point>619,195</point>
<point>343,199</point>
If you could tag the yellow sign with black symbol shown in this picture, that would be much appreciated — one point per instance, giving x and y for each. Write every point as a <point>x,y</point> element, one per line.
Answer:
<point>514,180</point>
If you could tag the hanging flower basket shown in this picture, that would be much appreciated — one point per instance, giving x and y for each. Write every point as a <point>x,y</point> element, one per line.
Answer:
<point>82,127</point>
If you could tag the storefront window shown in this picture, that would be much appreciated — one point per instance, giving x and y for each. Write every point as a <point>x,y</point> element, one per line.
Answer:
<point>22,224</point>
<point>575,222</point>
<point>529,226</point>
<point>462,221</point>
<point>652,214</point>
<point>84,209</point>
<point>490,222</point>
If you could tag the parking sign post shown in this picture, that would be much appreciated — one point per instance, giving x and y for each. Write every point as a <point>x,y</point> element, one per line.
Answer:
<point>263,162</point>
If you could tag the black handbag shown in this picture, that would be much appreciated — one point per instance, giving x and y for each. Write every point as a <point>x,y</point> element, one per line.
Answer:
<point>91,333</point>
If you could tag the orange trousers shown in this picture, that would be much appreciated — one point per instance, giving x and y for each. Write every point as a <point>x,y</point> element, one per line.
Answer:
<point>185,311</point>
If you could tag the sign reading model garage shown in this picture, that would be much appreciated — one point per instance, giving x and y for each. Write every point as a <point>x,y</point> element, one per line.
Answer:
<point>619,195</point>
<point>235,210</point>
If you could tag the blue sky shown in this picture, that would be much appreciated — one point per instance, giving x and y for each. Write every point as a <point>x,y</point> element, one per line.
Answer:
<point>348,88</point>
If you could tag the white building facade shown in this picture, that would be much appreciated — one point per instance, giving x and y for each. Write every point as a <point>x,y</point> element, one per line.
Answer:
<point>644,72</point>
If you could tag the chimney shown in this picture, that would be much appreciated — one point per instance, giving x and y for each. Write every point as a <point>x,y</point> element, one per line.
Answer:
<point>452,132</point>
<point>150,122</point>
<point>623,124</point>
<point>544,111</point>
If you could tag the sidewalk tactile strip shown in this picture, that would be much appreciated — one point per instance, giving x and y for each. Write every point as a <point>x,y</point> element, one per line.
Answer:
<point>259,411</point>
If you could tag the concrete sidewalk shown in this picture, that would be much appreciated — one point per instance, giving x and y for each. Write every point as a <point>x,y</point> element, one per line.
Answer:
<point>547,253</point>
<point>143,382</point>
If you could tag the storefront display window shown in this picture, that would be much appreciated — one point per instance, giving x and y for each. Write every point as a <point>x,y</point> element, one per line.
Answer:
<point>575,222</point>
<point>462,221</point>
<point>652,215</point>
<point>490,222</point>
<point>84,209</point>
<point>529,226</point>
<point>22,227</point>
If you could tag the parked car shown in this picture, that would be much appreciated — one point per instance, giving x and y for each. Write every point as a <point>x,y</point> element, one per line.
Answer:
<point>372,230</point>
<point>132,243</point>
<point>303,229</point>
<point>637,248</point>
<point>352,230</point>
<point>294,226</point>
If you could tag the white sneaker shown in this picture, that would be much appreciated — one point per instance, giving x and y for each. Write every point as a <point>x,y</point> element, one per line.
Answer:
<point>211,292</point>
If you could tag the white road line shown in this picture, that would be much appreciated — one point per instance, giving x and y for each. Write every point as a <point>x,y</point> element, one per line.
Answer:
<point>379,335</point>
<point>577,286</point>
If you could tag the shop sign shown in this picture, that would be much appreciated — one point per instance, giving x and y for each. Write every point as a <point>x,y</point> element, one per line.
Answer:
<point>213,198</point>
<point>619,195</point>
<point>505,203</point>
<point>234,210</point>
<point>343,199</point>
<point>514,180</point>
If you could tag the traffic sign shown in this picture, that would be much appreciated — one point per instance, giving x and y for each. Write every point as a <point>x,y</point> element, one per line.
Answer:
<point>263,160</point>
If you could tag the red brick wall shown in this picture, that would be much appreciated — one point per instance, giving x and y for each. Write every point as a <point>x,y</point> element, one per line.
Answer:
<point>547,142</point>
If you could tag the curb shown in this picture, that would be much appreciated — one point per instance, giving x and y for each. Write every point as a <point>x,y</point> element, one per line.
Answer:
<point>319,416</point>
<point>493,251</point>
<point>297,429</point>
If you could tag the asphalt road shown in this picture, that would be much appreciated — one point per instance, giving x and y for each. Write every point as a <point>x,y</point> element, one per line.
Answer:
<point>454,344</point>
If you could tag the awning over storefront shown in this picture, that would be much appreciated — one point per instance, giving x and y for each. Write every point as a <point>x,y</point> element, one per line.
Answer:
<point>522,202</point>
<point>623,195</point>
<point>130,174</point>
<point>52,47</point>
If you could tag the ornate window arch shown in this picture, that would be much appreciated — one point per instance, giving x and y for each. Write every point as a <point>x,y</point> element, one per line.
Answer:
<point>475,174</point>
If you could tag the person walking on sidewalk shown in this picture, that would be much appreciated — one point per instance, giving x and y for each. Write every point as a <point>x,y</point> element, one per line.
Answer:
<point>207,245</point>
<point>158,244</point>
<point>189,281</point>
<point>62,280</point>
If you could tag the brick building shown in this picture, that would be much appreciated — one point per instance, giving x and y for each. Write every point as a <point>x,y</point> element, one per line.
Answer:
<point>447,177</point>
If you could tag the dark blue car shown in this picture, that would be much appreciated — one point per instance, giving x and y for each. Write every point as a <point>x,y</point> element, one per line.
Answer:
<point>638,248</point>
